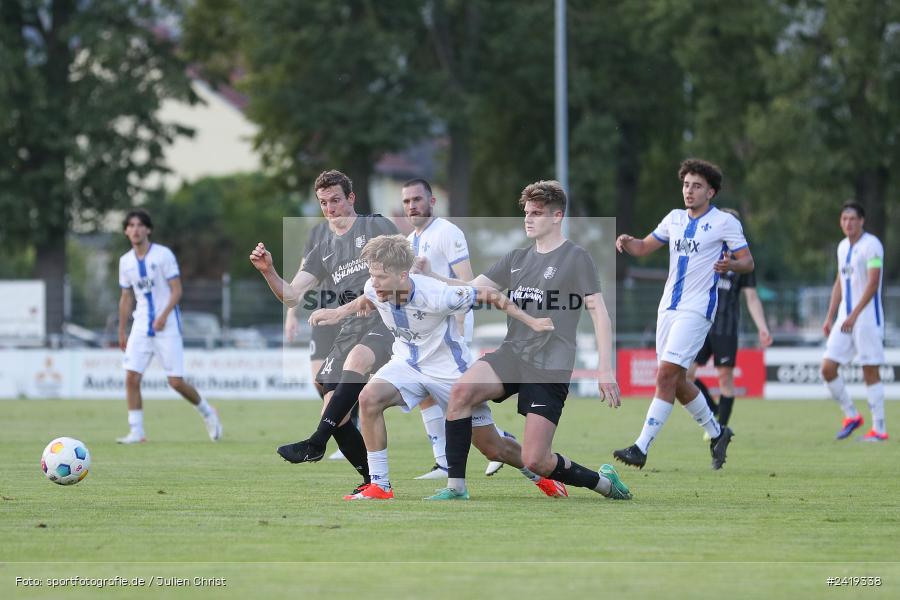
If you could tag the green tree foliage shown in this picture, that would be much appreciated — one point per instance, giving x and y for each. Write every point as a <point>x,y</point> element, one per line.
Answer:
<point>212,224</point>
<point>830,129</point>
<point>80,86</point>
<point>627,112</point>
<point>797,101</point>
<point>328,82</point>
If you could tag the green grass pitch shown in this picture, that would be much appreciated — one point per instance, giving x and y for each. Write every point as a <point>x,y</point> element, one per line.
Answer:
<point>791,508</point>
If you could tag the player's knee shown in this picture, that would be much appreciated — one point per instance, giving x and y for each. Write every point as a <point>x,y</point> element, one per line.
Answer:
<point>132,379</point>
<point>668,378</point>
<point>829,371</point>
<point>176,383</point>
<point>461,395</point>
<point>360,360</point>
<point>368,401</point>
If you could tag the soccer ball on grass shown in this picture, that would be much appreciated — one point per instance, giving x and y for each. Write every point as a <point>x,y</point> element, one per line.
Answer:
<point>65,461</point>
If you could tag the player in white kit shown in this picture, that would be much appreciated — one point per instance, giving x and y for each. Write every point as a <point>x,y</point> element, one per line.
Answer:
<point>855,322</point>
<point>704,243</point>
<point>429,355</point>
<point>149,272</point>
<point>444,245</point>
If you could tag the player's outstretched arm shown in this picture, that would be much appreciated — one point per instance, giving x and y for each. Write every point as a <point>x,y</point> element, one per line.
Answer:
<point>739,262</point>
<point>833,305</point>
<point>126,307</point>
<point>422,266</point>
<point>333,316</point>
<point>288,293</point>
<point>606,378</point>
<point>755,308</point>
<point>463,270</point>
<point>635,247</point>
<point>499,300</point>
<point>291,325</point>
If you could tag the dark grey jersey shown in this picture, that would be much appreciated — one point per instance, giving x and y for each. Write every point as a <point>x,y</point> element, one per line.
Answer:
<point>555,285</point>
<point>335,261</point>
<point>325,296</point>
<point>728,311</point>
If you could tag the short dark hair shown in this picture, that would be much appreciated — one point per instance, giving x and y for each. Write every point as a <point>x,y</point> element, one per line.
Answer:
<point>326,179</point>
<point>141,215</point>
<point>708,171</point>
<point>549,193</point>
<point>418,181</point>
<point>854,205</point>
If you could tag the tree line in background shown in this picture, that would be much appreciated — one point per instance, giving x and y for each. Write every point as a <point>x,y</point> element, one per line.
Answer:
<point>795,99</point>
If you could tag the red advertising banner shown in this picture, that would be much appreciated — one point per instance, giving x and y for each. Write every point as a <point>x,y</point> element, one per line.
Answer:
<point>636,373</point>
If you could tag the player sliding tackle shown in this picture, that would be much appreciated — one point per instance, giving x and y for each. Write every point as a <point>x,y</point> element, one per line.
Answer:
<point>429,355</point>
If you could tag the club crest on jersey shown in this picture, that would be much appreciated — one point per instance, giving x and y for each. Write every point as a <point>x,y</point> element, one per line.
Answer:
<point>426,247</point>
<point>847,270</point>
<point>419,315</point>
<point>706,227</point>
<point>360,241</point>
<point>550,272</point>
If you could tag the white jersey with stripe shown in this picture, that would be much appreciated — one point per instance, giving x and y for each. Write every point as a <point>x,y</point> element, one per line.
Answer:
<point>425,334</point>
<point>694,247</point>
<point>444,245</point>
<point>854,262</point>
<point>149,278</point>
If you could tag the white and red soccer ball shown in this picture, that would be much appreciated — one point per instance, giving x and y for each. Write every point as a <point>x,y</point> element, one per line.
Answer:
<point>65,461</point>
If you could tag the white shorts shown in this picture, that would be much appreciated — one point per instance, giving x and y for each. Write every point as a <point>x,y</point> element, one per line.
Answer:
<point>679,336</point>
<point>865,342</point>
<point>140,350</point>
<point>415,387</point>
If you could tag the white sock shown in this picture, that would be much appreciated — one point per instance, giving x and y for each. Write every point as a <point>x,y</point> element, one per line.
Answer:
<point>378,468</point>
<point>136,420</point>
<point>530,474</point>
<point>699,409</point>
<point>433,418</point>
<point>204,408</point>
<point>839,392</point>
<point>604,486</point>
<point>456,484</point>
<point>875,393</point>
<point>657,414</point>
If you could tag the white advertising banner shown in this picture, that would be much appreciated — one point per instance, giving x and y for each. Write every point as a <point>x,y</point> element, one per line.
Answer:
<point>794,374</point>
<point>791,374</point>
<point>22,312</point>
<point>98,374</point>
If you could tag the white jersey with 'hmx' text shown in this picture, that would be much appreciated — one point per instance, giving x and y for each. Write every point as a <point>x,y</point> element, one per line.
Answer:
<point>149,278</point>
<point>424,328</point>
<point>854,262</point>
<point>694,247</point>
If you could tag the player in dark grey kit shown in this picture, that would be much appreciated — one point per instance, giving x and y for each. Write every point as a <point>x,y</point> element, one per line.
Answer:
<point>322,338</point>
<point>362,344</point>
<point>553,278</point>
